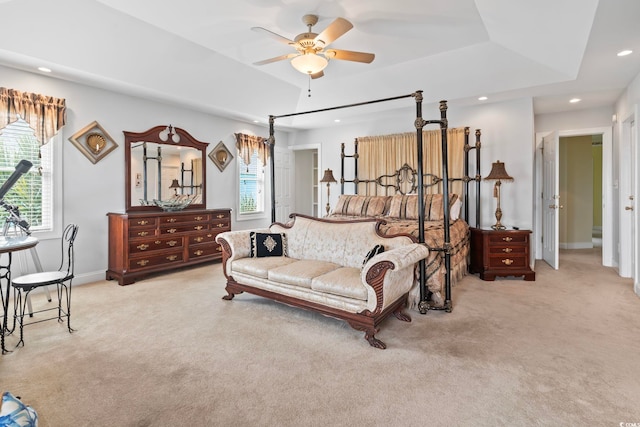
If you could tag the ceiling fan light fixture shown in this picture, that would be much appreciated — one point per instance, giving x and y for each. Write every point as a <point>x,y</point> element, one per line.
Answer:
<point>309,63</point>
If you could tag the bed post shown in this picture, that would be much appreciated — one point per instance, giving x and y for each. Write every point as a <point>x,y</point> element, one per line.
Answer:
<point>423,306</point>
<point>272,142</point>
<point>478,177</point>
<point>445,204</point>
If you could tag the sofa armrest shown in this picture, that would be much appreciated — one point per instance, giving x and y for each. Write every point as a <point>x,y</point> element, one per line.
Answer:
<point>390,275</point>
<point>236,245</point>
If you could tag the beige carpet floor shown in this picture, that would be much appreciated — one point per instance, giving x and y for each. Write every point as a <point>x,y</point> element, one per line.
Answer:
<point>168,351</point>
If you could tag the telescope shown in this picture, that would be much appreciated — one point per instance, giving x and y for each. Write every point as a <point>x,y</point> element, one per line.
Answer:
<point>13,211</point>
<point>21,168</point>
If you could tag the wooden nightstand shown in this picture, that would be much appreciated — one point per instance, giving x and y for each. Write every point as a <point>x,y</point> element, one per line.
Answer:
<point>500,253</point>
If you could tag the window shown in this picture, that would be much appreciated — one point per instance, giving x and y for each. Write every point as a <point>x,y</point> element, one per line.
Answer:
<point>32,194</point>
<point>251,186</point>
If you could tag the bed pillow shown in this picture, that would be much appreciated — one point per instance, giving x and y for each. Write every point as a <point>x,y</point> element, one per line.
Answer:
<point>454,213</point>
<point>434,207</point>
<point>15,413</point>
<point>377,249</point>
<point>268,244</point>
<point>356,205</point>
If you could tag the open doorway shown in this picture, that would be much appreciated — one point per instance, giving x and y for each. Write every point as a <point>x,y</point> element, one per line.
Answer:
<point>306,185</point>
<point>580,184</point>
<point>549,207</point>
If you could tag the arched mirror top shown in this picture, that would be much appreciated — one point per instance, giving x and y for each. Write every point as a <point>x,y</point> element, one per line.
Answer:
<point>165,170</point>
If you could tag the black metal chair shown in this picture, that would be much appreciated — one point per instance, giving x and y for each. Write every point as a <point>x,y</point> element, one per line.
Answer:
<point>62,278</point>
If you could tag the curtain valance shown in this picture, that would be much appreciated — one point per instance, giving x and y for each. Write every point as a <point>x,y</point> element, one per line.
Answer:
<point>45,114</point>
<point>247,144</point>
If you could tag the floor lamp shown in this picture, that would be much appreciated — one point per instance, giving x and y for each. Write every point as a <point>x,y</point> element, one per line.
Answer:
<point>328,178</point>
<point>498,174</point>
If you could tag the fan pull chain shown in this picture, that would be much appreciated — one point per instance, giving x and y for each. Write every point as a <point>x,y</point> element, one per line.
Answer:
<point>309,91</point>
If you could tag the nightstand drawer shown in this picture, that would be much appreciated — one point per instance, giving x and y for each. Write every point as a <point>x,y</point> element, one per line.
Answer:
<point>513,262</point>
<point>506,250</point>
<point>508,238</point>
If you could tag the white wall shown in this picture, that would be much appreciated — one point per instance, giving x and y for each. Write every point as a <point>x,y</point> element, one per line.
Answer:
<point>90,191</point>
<point>507,135</point>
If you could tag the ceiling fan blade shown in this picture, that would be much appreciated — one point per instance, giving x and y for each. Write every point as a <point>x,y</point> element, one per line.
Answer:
<point>317,75</point>
<point>273,35</point>
<point>349,55</point>
<point>276,59</point>
<point>336,29</point>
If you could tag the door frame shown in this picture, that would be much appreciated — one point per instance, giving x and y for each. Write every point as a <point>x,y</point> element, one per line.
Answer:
<point>318,148</point>
<point>607,189</point>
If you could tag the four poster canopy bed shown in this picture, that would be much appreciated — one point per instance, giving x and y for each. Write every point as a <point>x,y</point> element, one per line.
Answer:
<point>404,196</point>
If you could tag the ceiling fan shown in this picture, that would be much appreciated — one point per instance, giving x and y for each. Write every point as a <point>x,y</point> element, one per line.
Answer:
<point>311,56</point>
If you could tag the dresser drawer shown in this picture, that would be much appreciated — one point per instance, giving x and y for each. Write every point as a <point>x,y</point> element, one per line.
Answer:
<point>182,228</point>
<point>142,232</point>
<point>221,215</point>
<point>204,250</point>
<point>155,244</point>
<point>174,257</point>
<point>202,238</point>
<point>182,218</point>
<point>143,222</point>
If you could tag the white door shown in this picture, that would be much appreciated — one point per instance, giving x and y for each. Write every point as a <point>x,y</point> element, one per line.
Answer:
<point>283,169</point>
<point>627,199</point>
<point>550,199</point>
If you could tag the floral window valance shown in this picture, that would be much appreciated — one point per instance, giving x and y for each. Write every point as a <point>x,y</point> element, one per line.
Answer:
<point>45,114</point>
<point>247,144</point>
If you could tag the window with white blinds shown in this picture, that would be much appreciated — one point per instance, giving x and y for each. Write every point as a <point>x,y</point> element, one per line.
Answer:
<point>251,186</point>
<point>33,192</point>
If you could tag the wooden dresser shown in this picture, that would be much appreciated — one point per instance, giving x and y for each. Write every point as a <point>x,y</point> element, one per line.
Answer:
<point>500,253</point>
<point>151,242</point>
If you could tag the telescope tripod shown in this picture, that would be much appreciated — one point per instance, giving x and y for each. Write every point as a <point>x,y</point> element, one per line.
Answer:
<point>14,228</point>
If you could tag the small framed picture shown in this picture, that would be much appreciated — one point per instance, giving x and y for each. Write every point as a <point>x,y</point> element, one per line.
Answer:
<point>221,156</point>
<point>93,141</point>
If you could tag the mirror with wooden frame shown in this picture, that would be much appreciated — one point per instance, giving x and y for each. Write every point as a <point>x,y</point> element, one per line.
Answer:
<point>165,169</point>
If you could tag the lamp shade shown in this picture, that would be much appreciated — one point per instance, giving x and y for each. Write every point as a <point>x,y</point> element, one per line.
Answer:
<point>498,172</point>
<point>328,176</point>
<point>174,184</point>
<point>309,63</point>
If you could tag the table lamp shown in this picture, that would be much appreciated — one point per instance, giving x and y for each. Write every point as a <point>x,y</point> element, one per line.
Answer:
<point>175,185</point>
<point>328,178</point>
<point>498,174</point>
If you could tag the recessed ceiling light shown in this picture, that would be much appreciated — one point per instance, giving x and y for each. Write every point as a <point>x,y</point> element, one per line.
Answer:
<point>337,120</point>
<point>256,121</point>
<point>44,69</point>
<point>574,100</point>
<point>482,98</point>
<point>625,52</point>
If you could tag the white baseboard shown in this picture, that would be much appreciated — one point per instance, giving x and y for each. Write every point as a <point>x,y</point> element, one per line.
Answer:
<point>91,277</point>
<point>636,288</point>
<point>576,245</point>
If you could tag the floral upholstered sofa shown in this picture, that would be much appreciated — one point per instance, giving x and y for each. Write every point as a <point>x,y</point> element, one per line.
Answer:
<point>344,269</point>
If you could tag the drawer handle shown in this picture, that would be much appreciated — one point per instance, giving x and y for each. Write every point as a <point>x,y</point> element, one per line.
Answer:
<point>219,249</point>
<point>507,250</point>
<point>198,253</point>
<point>221,225</point>
<point>143,247</point>
<point>199,218</point>
<point>143,222</point>
<point>209,235</point>
<point>507,239</point>
<point>171,230</point>
<point>172,243</point>
<point>143,262</point>
<point>198,227</point>
<point>171,220</point>
<point>143,233</point>
<point>157,242</point>
<point>199,239</point>
<point>220,216</point>
<point>507,261</point>
<point>172,257</point>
